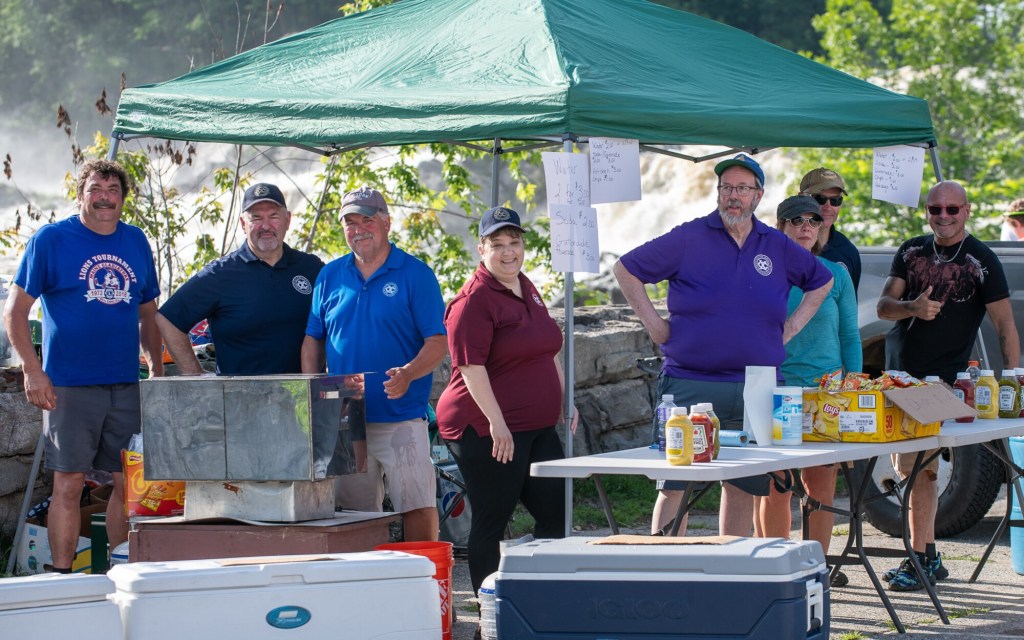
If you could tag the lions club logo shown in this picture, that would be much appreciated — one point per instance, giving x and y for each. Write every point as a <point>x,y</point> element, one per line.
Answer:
<point>261,191</point>
<point>109,280</point>
<point>763,264</point>
<point>301,284</point>
<point>501,215</point>
<point>536,298</point>
<point>390,289</point>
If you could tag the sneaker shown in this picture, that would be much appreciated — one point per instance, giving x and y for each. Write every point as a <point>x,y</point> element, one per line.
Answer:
<point>904,578</point>
<point>937,569</point>
<point>839,579</point>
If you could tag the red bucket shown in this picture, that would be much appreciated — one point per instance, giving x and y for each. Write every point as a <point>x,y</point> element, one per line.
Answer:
<point>440,553</point>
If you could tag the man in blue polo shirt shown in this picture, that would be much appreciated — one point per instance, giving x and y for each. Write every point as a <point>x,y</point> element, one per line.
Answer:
<point>379,311</point>
<point>729,279</point>
<point>256,298</point>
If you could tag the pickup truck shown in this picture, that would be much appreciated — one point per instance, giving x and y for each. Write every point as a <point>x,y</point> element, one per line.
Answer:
<point>969,477</point>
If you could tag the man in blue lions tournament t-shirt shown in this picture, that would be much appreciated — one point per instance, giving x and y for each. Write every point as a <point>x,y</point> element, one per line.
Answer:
<point>97,284</point>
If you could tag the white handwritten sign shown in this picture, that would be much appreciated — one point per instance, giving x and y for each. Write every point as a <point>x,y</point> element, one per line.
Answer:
<point>614,170</point>
<point>574,245</point>
<point>897,174</point>
<point>567,177</point>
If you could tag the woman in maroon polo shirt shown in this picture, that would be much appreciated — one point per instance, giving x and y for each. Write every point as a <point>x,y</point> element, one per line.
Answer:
<point>498,413</point>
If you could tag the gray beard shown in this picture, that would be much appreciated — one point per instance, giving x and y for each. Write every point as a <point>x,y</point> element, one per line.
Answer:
<point>735,221</point>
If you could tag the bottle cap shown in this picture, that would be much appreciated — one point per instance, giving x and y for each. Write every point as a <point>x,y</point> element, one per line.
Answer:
<point>1008,373</point>
<point>679,411</point>
<point>972,363</point>
<point>668,397</point>
<point>1019,371</point>
<point>698,408</point>
<point>988,372</point>
<point>932,379</point>
<point>963,375</point>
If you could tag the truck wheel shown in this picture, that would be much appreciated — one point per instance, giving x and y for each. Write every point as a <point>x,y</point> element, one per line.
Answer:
<point>969,480</point>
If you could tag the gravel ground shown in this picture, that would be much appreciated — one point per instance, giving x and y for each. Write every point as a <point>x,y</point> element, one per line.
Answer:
<point>989,609</point>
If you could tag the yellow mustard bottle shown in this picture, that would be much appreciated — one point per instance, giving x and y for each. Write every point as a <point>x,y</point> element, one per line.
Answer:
<point>986,396</point>
<point>679,438</point>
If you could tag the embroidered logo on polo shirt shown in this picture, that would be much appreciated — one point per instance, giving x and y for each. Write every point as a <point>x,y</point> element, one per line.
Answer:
<point>301,284</point>
<point>390,289</point>
<point>763,264</point>
<point>109,279</point>
<point>536,298</point>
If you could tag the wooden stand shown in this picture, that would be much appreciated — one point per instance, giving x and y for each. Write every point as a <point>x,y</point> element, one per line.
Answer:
<point>167,539</point>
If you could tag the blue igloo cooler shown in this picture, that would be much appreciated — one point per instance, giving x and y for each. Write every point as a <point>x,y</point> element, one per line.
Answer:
<point>582,588</point>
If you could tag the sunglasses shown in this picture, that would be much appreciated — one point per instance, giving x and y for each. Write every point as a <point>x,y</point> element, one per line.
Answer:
<point>835,201</point>
<point>801,221</point>
<point>950,210</point>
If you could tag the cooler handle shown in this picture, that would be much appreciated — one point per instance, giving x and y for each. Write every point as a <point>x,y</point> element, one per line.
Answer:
<point>815,605</point>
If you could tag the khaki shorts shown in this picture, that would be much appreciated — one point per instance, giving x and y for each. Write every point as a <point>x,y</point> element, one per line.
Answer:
<point>904,464</point>
<point>399,452</point>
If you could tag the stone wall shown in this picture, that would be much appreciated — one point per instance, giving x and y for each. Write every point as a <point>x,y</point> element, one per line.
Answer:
<point>614,397</point>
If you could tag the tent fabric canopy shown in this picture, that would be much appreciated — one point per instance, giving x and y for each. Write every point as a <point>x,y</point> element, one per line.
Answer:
<point>422,71</point>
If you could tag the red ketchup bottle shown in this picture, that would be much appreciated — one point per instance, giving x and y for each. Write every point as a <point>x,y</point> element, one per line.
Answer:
<point>1020,378</point>
<point>963,389</point>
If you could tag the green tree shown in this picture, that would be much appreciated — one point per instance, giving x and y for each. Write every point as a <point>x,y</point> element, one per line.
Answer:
<point>966,58</point>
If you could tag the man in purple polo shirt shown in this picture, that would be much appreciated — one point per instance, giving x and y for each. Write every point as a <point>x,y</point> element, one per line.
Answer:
<point>729,279</point>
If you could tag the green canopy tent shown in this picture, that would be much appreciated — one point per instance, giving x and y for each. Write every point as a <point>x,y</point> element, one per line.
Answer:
<point>544,72</point>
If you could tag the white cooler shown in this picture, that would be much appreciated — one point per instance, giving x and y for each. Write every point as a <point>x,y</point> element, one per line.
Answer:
<point>384,595</point>
<point>52,605</point>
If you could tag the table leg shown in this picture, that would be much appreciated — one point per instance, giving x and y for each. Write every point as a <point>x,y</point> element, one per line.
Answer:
<point>918,464</point>
<point>606,505</point>
<point>1001,450</point>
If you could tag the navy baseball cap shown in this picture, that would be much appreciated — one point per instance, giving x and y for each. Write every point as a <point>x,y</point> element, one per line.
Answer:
<point>262,192</point>
<point>741,160</point>
<point>364,201</point>
<point>498,218</point>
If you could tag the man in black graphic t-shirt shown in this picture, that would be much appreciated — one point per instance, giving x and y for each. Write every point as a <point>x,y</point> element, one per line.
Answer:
<point>939,288</point>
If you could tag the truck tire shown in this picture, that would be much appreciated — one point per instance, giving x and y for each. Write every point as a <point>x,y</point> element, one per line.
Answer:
<point>969,480</point>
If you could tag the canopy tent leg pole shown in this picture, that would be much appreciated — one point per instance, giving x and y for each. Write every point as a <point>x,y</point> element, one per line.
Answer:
<point>495,166</point>
<point>569,372</point>
<point>933,152</point>
<point>115,142</point>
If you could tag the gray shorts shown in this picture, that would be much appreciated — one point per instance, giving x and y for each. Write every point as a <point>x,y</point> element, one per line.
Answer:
<point>90,426</point>
<point>727,399</point>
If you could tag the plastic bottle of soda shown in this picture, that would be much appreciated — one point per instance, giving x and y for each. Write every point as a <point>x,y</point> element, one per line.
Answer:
<point>703,434</point>
<point>679,438</point>
<point>973,371</point>
<point>986,396</point>
<point>663,412</point>
<point>1009,395</point>
<point>963,389</point>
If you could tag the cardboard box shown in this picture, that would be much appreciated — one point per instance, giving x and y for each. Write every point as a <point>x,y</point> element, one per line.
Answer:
<point>34,551</point>
<point>142,498</point>
<point>879,416</point>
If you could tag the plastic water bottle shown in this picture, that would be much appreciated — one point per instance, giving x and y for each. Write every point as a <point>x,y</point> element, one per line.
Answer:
<point>488,619</point>
<point>664,412</point>
<point>974,371</point>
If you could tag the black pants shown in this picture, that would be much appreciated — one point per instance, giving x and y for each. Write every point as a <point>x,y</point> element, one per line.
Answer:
<point>494,488</point>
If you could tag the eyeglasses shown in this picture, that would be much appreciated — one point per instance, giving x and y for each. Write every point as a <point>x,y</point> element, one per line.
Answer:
<point>951,210</point>
<point>835,201</point>
<point>742,190</point>
<point>801,221</point>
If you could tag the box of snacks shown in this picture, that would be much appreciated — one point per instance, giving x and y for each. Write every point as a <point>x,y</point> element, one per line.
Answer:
<point>893,406</point>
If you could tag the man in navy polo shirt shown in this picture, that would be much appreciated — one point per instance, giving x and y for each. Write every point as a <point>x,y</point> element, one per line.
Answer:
<point>379,311</point>
<point>729,279</point>
<point>828,189</point>
<point>256,298</point>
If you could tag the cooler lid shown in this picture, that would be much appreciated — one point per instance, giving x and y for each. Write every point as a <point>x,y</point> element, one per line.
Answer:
<point>237,573</point>
<point>741,556</point>
<point>50,589</point>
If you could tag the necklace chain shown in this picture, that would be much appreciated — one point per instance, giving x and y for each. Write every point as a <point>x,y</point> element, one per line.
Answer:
<point>939,257</point>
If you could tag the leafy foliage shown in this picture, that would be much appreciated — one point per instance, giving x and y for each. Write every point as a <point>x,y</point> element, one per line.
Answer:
<point>966,58</point>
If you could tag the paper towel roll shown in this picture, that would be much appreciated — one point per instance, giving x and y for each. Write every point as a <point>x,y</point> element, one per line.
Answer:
<point>757,404</point>
<point>733,438</point>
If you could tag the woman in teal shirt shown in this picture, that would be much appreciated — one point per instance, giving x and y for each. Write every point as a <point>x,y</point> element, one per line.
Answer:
<point>830,342</point>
